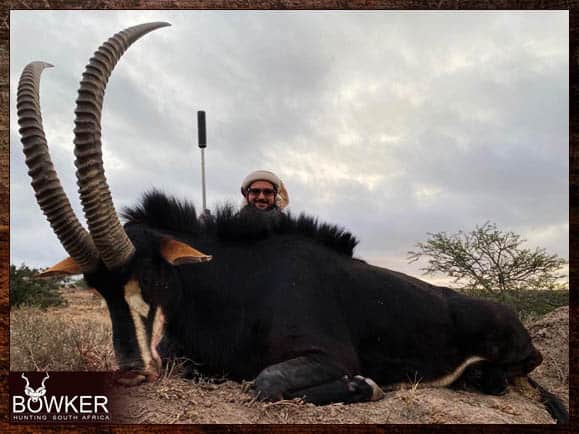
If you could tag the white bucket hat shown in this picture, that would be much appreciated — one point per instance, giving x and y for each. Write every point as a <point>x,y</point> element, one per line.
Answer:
<point>282,197</point>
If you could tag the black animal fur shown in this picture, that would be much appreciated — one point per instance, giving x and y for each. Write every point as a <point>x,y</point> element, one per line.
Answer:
<point>284,302</point>
<point>158,211</point>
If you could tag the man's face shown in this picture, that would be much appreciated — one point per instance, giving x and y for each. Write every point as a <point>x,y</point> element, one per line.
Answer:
<point>261,194</point>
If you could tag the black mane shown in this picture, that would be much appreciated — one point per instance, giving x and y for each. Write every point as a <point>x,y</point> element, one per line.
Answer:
<point>229,224</point>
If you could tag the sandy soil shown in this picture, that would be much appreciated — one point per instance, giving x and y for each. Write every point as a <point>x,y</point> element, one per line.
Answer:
<point>176,400</point>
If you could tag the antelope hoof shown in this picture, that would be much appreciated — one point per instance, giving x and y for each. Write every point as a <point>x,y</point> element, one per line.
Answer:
<point>131,378</point>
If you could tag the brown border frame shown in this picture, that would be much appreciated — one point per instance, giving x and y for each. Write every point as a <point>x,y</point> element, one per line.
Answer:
<point>571,5</point>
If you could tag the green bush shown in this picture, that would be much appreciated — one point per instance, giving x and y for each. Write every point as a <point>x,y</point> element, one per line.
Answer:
<point>490,259</point>
<point>28,290</point>
<point>527,303</point>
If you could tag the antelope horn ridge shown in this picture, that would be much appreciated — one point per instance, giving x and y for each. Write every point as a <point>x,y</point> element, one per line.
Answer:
<point>108,234</point>
<point>49,193</point>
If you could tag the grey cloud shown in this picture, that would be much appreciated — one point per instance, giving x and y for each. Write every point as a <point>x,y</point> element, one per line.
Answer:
<point>389,124</point>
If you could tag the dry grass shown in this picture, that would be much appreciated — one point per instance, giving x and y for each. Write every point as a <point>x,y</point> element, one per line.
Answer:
<point>62,339</point>
<point>78,338</point>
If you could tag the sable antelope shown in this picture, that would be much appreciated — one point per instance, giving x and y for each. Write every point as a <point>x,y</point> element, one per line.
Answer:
<point>282,302</point>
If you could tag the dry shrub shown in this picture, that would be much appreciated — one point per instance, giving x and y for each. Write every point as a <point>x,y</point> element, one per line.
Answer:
<point>43,340</point>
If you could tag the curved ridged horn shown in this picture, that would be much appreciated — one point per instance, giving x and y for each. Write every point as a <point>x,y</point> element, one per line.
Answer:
<point>112,242</point>
<point>49,193</point>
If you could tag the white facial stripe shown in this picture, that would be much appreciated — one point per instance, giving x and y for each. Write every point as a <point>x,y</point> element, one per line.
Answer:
<point>157,335</point>
<point>139,309</point>
<point>134,298</point>
<point>443,381</point>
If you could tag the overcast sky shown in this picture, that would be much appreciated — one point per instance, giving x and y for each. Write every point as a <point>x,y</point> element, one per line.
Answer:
<point>390,124</point>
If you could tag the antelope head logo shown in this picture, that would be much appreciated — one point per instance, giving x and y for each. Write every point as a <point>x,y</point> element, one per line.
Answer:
<point>33,394</point>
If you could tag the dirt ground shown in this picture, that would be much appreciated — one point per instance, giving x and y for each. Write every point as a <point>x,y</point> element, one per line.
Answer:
<point>173,399</point>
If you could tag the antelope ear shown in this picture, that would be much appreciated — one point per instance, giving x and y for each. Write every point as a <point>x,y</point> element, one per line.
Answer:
<point>65,267</point>
<point>177,253</point>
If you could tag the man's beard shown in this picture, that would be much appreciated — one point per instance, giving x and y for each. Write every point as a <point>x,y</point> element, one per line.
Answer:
<point>269,206</point>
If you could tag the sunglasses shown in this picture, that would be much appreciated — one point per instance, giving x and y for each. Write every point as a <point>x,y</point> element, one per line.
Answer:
<point>265,191</point>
